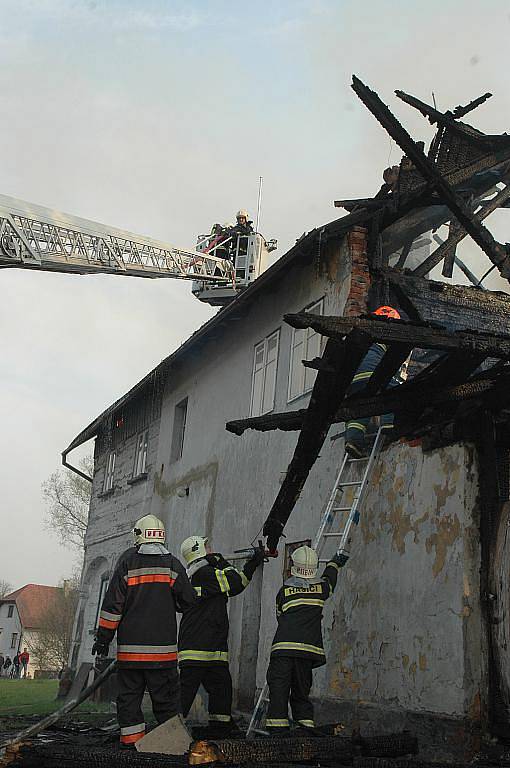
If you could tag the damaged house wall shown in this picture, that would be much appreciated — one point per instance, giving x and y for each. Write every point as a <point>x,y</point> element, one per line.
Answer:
<point>225,483</point>
<point>417,632</point>
<point>403,630</point>
<point>114,510</point>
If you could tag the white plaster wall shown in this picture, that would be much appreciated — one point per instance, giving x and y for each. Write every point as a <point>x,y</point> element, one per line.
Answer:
<point>111,520</point>
<point>8,627</point>
<point>405,629</point>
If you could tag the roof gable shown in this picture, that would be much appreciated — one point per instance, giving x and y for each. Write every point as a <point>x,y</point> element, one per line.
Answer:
<point>32,601</point>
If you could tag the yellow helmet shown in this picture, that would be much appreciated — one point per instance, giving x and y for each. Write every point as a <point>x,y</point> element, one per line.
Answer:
<point>242,213</point>
<point>193,548</point>
<point>305,562</point>
<point>149,530</point>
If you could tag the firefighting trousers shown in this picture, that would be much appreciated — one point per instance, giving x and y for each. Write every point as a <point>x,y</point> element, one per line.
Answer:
<point>163,687</point>
<point>355,430</point>
<point>289,678</point>
<point>217,682</point>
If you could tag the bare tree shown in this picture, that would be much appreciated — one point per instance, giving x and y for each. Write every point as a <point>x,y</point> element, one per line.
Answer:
<point>51,643</point>
<point>5,588</point>
<point>67,497</point>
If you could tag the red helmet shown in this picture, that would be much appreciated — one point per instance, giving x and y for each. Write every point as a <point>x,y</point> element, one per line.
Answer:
<point>387,312</point>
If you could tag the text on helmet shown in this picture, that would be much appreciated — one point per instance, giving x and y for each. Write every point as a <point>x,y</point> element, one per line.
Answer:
<point>154,533</point>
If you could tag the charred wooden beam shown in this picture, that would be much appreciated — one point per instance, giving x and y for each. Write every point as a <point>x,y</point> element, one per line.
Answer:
<point>327,394</point>
<point>449,260</point>
<point>339,749</point>
<point>389,366</point>
<point>462,111</point>
<point>493,390</point>
<point>456,307</point>
<point>434,115</point>
<point>458,234</point>
<point>473,279</point>
<point>494,250</point>
<point>404,254</point>
<point>362,202</point>
<point>401,332</point>
<point>423,212</point>
<point>318,364</point>
<point>287,422</point>
<point>450,369</point>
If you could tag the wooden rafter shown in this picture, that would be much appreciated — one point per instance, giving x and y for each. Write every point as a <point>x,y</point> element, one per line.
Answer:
<point>401,332</point>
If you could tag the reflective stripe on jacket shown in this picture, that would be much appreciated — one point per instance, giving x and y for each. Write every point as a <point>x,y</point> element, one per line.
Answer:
<point>203,632</point>
<point>140,604</point>
<point>299,606</point>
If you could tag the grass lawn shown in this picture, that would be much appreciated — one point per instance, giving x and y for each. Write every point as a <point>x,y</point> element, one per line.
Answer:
<point>37,697</point>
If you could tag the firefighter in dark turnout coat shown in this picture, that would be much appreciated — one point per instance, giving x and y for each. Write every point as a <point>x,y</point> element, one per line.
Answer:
<point>356,429</point>
<point>147,588</point>
<point>297,645</point>
<point>203,632</point>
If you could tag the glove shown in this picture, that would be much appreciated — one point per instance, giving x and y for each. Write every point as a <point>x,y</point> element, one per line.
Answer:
<point>100,648</point>
<point>258,556</point>
<point>217,560</point>
<point>340,559</point>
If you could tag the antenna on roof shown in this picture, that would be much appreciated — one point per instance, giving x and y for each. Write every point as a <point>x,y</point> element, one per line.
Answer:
<point>259,203</point>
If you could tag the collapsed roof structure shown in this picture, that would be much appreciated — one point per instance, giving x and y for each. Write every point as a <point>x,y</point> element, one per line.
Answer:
<point>464,392</point>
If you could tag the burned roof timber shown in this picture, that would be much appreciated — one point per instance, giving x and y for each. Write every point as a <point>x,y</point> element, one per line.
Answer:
<point>467,351</point>
<point>440,386</point>
<point>343,357</point>
<point>463,167</point>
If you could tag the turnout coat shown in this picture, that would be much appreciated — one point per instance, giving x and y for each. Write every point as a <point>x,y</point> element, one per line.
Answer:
<point>299,605</point>
<point>140,604</point>
<point>203,632</point>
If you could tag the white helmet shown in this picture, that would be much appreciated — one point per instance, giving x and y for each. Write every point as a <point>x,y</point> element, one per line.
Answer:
<point>193,548</point>
<point>242,212</point>
<point>305,562</point>
<point>148,530</point>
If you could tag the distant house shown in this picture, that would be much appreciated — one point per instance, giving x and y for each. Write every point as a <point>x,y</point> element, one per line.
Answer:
<point>21,617</point>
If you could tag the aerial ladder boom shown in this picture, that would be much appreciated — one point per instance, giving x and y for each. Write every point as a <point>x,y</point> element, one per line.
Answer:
<point>33,237</point>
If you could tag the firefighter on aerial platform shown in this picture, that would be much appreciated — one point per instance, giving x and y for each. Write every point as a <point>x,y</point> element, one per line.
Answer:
<point>297,647</point>
<point>356,429</point>
<point>203,632</point>
<point>238,233</point>
<point>244,226</point>
<point>147,588</point>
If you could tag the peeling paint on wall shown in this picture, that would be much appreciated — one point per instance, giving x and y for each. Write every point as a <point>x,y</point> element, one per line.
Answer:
<point>448,531</point>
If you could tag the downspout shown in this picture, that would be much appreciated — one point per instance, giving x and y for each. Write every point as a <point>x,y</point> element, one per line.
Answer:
<point>77,471</point>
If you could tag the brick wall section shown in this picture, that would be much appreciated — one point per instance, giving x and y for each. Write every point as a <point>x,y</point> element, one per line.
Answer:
<point>357,300</point>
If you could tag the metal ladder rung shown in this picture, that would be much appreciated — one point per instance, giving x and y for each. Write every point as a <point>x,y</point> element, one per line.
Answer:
<point>341,509</point>
<point>339,533</point>
<point>362,458</point>
<point>351,482</point>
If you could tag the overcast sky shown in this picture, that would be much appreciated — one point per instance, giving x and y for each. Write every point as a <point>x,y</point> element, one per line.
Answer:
<point>159,117</point>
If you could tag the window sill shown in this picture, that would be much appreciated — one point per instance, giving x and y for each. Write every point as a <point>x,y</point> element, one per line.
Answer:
<point>298,397</point>
<point>138,479</point>
<point>106,494</point>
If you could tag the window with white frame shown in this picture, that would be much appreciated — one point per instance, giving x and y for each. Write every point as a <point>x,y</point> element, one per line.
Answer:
<point>10,611</point>
<point>179,428</point>
<point>305,345</point>
<point>263,385</point>
<point>109,472</point>
<point>14,640</point>
<point>140,465</point>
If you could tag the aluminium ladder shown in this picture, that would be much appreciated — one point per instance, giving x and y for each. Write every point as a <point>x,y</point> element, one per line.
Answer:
<point>334,507</point>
